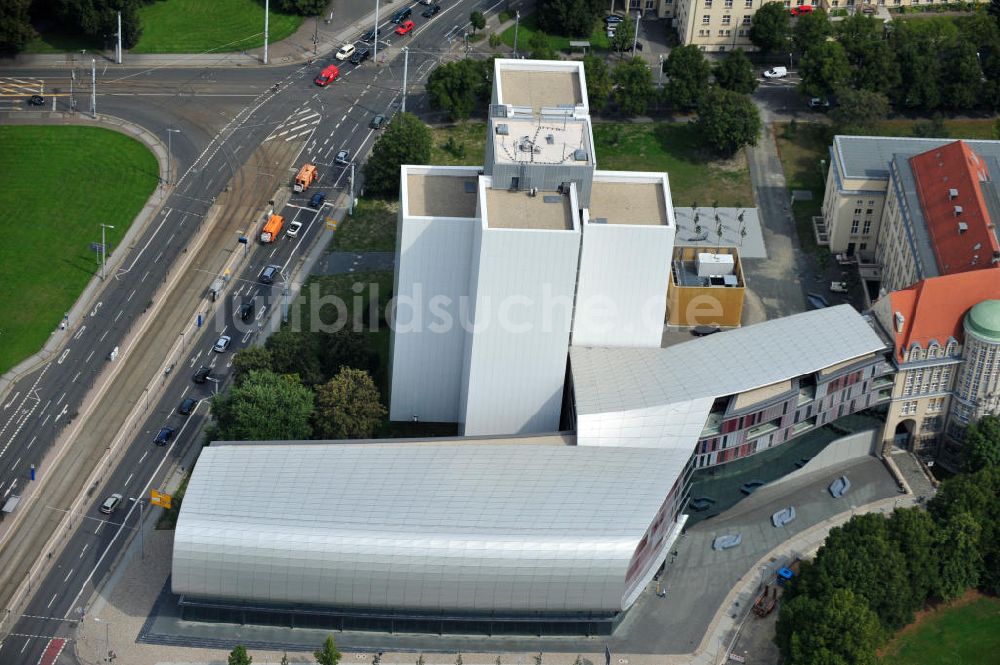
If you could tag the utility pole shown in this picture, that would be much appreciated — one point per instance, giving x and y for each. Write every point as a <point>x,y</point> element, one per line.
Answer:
<point>635,38</point>
<point>72,99</point>
<point>118,46</point>
<point>104,249</point>
<point>406,65</point>
<point>517,23</point>
<point>267,7</point>
<point>316,35</point>
<point>660,81</point>
<point>350,202</point>
<point>375,39</point>
<point>93,88</point>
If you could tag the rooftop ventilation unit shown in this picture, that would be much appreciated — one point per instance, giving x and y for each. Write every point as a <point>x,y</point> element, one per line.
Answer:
<point>977,247</point>
<point>533,191</point>
<point>900,320</point>
<point>550,139</point>
<point>958,210</point>
<point>952,194</point>
<point>503,130</point>
<point>580,155</point>
<point>962,227</point>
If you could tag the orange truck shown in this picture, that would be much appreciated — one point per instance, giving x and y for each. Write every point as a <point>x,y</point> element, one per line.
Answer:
<point>272,228</point>
<point>306,177</point>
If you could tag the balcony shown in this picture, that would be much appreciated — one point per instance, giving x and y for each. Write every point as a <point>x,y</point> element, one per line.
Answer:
<point>762,429</point>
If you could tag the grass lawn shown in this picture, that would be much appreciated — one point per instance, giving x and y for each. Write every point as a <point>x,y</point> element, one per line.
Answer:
<point>967,633</point>
<point>469,139</point>
<point>58,184</point>
<point>801,150</point>
<point>528,27</point>
<point>372,228</point>
<point>695,175</point>
<point>197,26</point>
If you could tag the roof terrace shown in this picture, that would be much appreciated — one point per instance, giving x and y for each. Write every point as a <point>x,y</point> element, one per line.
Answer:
<point>441,195</point>
<point>628,203</point>
<point>507,209</point>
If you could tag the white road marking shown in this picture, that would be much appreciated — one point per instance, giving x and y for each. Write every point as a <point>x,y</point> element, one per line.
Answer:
<point>75,377</point>
<point>119,316</point>
<point>84,550</point>
<point>62,357</point>
<point>129,479</point>
<point>144,277</point>
<point>31,443</point>
<point>14,465</point>
<point>79,332</point>
<point>53,600</point>
<point>61,398</point>
<point>143,456</point>
<point>7,405</point>
<point>129,299</point>
<point>91,354</point>
<point>68,575</point>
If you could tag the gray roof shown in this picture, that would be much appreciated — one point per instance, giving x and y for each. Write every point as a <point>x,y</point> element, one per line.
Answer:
<point>869,156</point>
<point>917,236</point>
<point>422,527</point>
<point>667,387</point>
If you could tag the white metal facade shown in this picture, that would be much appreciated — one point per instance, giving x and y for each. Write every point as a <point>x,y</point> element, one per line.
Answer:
<point>433,257</point>
<point>431,527</point>
<point>523,283</point>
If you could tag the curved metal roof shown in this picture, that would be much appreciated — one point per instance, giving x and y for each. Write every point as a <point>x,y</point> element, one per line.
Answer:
<point>421,527</point>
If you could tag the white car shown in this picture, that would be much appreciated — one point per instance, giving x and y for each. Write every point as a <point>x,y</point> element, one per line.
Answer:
<point>346,51</point>
<point>293,229</point>
<point>223,344</point>
<point>776,73</point>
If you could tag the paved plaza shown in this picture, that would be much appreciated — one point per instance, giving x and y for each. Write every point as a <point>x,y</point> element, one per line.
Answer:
<point>697,227</point>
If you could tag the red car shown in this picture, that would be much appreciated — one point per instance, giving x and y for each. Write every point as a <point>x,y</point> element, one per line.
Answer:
<point>327,76</point>
<point>803,9</point>
<point>404,27</point>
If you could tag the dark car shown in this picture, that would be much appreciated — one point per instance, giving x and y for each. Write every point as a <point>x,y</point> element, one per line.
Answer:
<point>268,274</point>
<point>816,301</point>
<point>246,310</point>
<point>371,35</point>
<point>377,122</point>
<point>163,436</point>
<point>703,330</point>
<point>431,11</point>
<point>402,15</point>
<point>187,406</point>
<point>317,200</point>
<point>36,100</point>
<point>361,55</point>
<point>202,374</point>
<point>613,19</point>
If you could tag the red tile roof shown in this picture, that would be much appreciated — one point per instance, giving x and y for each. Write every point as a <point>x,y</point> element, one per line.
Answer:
<point>955,167</point>
<point>934,308</point>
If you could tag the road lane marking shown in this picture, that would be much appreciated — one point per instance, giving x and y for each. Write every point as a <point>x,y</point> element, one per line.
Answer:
<point>62,357</point>
<point>91,354</point>
<point>26,643</point>
<point>46,420</point>
<point>129,479</point>
<point>53,600</point>
<point>68,575</point>
<point>135,259</point>
<point>84,550</point>
<point>79,332</point>
<point>61,398</point>
<point>31,443</point>
<point>75,377</point>
<point>119,316</point>
<point>144,277</point>
<point>129,299</point>
<point>16,395</point>
<point>14,465</point>
<point>143,456</point>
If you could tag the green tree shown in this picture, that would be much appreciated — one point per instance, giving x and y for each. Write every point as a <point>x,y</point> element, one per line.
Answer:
<point>295,353</point>
<point>406,141</point>
<point>624,36</point>
<point>344,348</point>
<point>540,47</point>
<point>15,25</point>
<point>458,88</point>
<point>982,444</point>
<point>823,68</point>
<point>477,20</point>
<point>811,29</point>
<point>264,407</point>
<point>348,406</point>
<point>929,129</point>
<point>994,9</point>
<point>688,72</point>
<point>961,559</point>
<point>961,77</point>
<point>634,88</point>
<point>569,18</point>
<point>284,659</point>
<point>918,47</point>
<point>250,359</point>
<point>735,72</point>
<point>239,656</point>
<point>301,7</point>
<point>99,18</point>
<point>837,629</point>
<point>858,111</point>
<point>873,66</point>
<point>915,534</point>
<point>328,655</point>
<point>769,30</point>
<point>727,120</point>
<point>598,81</point>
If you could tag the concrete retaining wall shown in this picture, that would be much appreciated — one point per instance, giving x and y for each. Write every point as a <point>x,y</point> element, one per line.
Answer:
<point>859,444</point>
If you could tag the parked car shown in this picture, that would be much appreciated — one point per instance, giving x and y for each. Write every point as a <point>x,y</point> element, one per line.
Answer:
<point>36,100</point>
<point>752,486</point>
<point>611,31</point>
<point>431,11</point>
<point>343,157</point>
<point>402,15</point>
<point>201,376</point>
<point>840,487</point>
<point>377,122</point>
<point>702,331</point>
<point>163,437</point>
<point>247,309</point>
<point>426,2</point>
<point>295,227</point>
<point>783,516</point>
<point>187,406</point>
<point>613,19</point>
<point>327,76</point>
<point>776,73</point>
<point>405,28</point>
<point>361,55</point>
<point>317,201</point>
<point>727,541</point>
<point>801,10</point>
<point>816,301</point>
<point>111,504</point>
<point>346,51</point>
<point>371,35</point>
<point>268,274</point>
<point>222,344</point>
<point>819,103</point>
<point>838,287</point>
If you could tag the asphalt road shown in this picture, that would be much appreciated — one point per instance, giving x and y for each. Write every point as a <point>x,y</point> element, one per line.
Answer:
<point>223,115</point>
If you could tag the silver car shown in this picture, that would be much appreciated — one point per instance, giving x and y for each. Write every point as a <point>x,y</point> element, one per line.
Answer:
<point>222,345</point>
<point>111,504</point>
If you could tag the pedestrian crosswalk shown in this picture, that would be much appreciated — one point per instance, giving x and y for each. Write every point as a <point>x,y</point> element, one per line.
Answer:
<point>15,91</point>
<point>300,123</point>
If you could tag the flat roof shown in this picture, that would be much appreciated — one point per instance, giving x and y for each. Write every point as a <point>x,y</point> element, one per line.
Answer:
<point>441,195</point>
<point>507,209</point>
<point>628,203</point>
<point>540,89</point>
<point>541,140</point>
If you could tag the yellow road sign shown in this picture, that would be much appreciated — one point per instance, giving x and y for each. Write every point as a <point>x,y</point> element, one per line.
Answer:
<point>160,498</point>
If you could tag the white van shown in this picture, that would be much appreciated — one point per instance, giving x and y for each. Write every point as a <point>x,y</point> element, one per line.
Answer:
<point>776,73</point>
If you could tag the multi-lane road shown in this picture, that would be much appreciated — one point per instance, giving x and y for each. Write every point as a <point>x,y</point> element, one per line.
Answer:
<point>226,117</point>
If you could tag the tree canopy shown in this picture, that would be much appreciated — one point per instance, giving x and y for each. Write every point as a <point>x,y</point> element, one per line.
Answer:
<point>624,36</point>
<point>838,629</point>
<point>811,29</point>
<point>634,88</point>
<point>15,25</point>
<point>406,141</point>
<point>568,18</point>
<point>477,20</point>
<point>858,111</point>
<point>823,68</point>
<point>687,76</point>
<point>727,120</point>
<point>769,28</point>
<point>982,444</point>
<point>348,406</point>
<point>239,656</point>
<point>459,87</point>
<point>735,72</point>
<point>598,81</point>
<point>264,406</point>
<point>328,655</point>
<point>250,359</point>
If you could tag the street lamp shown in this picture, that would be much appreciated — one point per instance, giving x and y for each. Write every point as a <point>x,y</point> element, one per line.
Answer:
<point>789,61</point>
<point>104,249</point>
<point>660,81</point>
<point>109,654</point>
<point>517,23</point>
<point>169,149</point>
<point>635,38</point>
